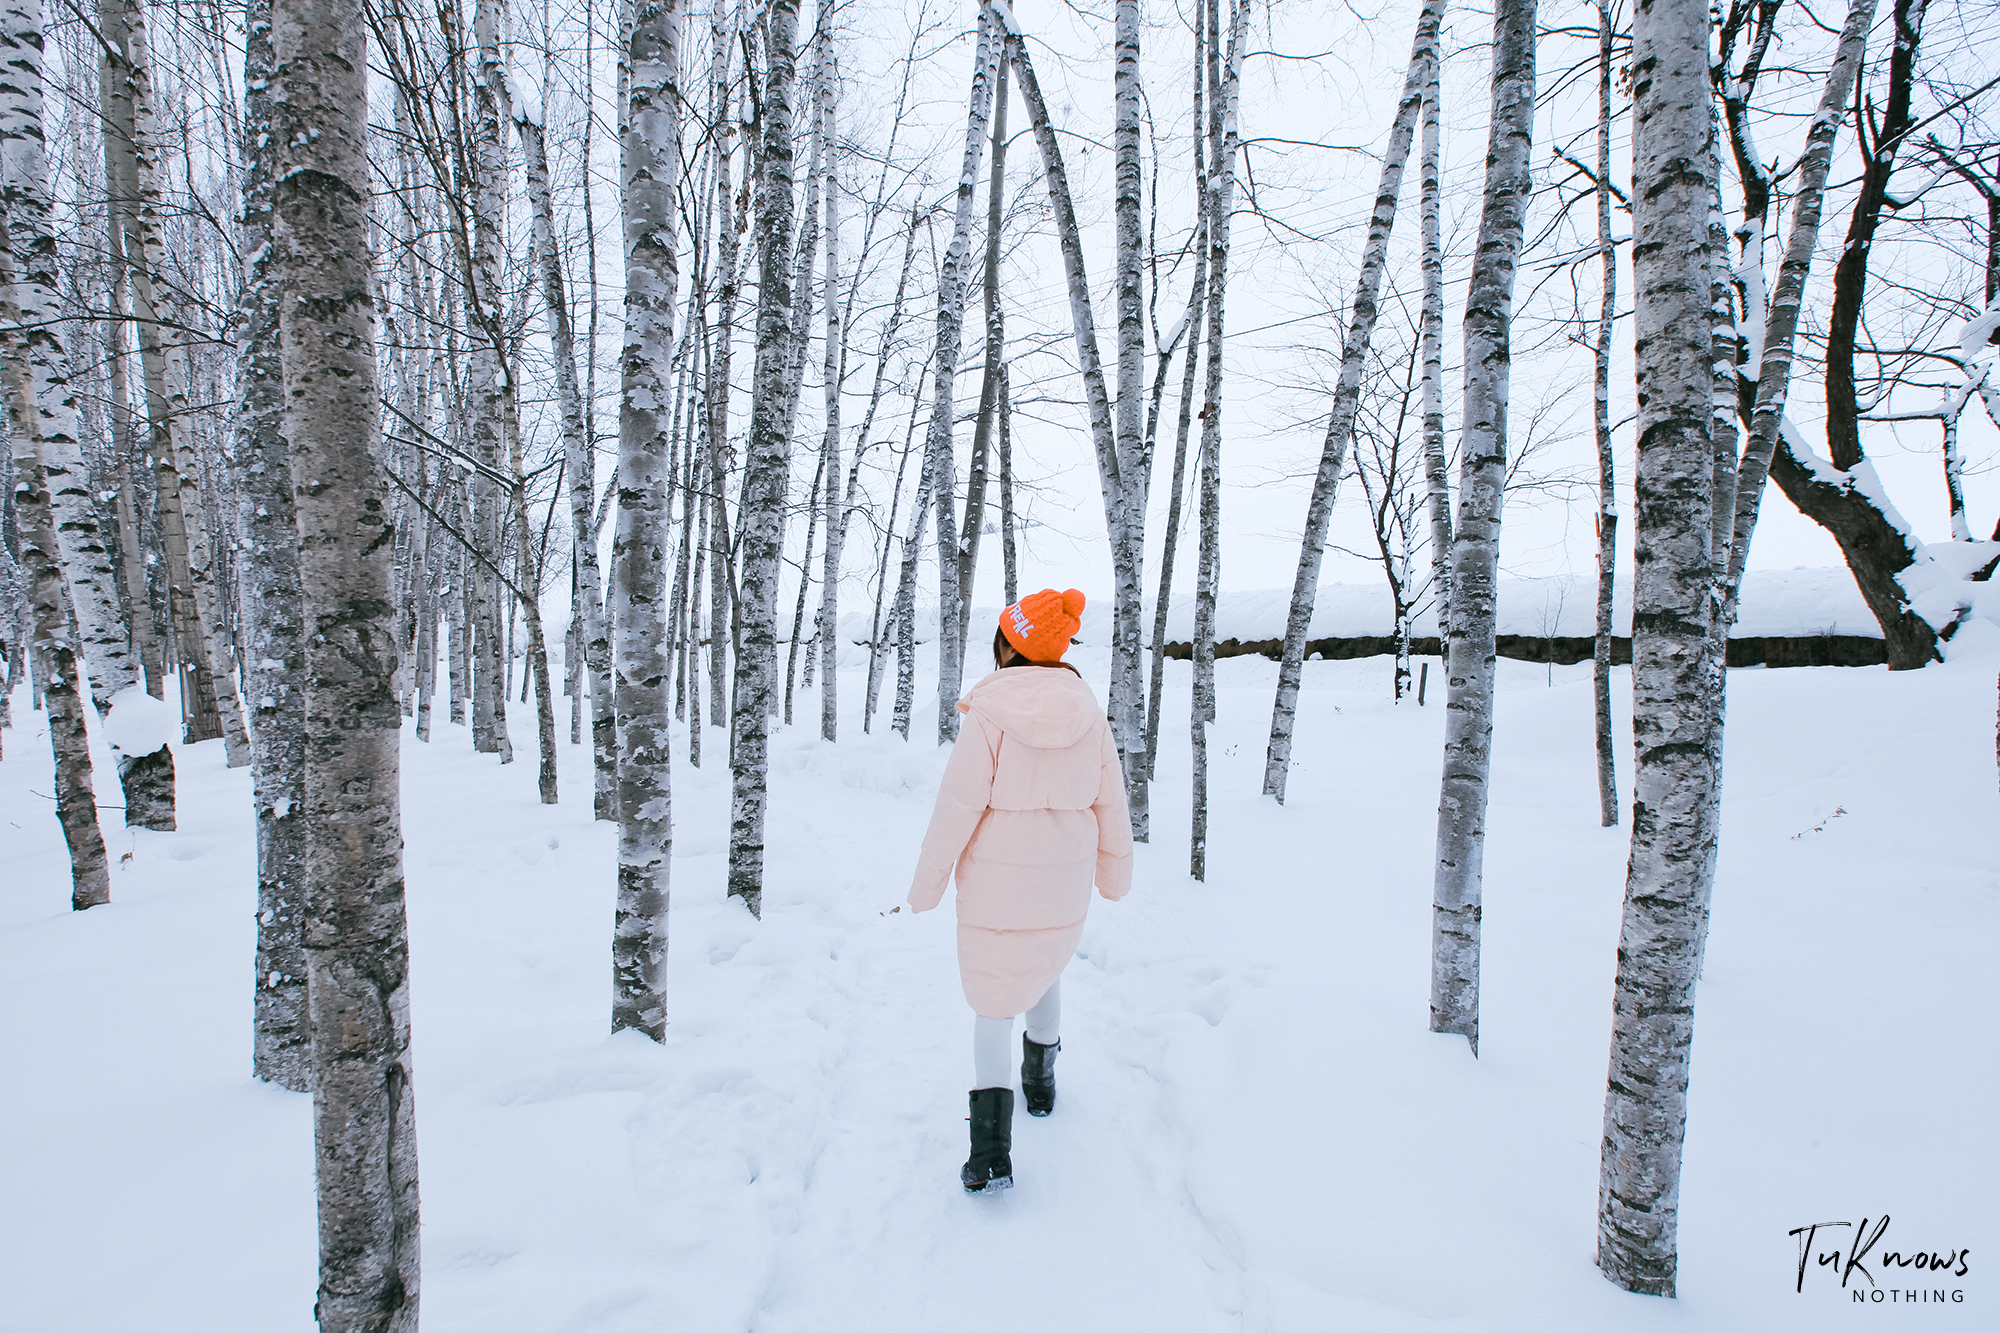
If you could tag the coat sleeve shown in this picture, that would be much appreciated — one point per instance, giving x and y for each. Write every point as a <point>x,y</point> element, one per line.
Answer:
<point>961,800</point>
<point>1114,825</point>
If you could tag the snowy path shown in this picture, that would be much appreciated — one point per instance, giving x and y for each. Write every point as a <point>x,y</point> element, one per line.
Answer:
<point>1254,1130</point>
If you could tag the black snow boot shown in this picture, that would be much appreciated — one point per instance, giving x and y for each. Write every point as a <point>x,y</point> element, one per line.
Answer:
<point>990,1167</point>
<point>1038,1074</point>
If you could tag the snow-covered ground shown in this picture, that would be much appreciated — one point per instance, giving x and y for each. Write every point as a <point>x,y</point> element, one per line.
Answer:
<point>1255,1129</point>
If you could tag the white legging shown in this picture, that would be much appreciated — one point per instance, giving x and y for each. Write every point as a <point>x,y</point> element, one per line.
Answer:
<point>993,1039</point>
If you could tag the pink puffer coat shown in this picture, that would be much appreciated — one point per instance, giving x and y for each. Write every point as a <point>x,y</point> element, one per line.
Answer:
<point>1031,812</point>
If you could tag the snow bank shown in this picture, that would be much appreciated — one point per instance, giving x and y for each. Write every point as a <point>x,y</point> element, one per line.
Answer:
<point>138,723</point>
<point>1255,1130</point>
<point>1777,603</point>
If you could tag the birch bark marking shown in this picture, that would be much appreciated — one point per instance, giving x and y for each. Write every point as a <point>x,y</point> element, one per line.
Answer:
<point>640,645</point>
<point>765,472</point>
<point>580,461</point>
<point>995,352</point>
<point>527,570</point>
<point>722,34</point>
<point>1128,532</point>
<point>1437,477</point>
<point>939,466</point>
<point>1222,145</point>
<point>836,348</point>
<point>1607,495</point>
<point>1347,395</point>
<point>1468,744</point>
<point>34,511</point>
<point>273,636</point>
<point>1673,655</point>
<point>50,405</point>
<point>364,1105</point>
<point>1781,324</point>
<point>486,409</point>
<point>212,648</point>
<point>121,82</point>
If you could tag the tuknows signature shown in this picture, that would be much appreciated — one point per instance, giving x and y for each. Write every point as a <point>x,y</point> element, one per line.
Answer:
<point>1862,1249</point>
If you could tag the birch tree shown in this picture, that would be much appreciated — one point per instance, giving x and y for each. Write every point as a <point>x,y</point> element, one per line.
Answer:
<point>1607,496</point>
<point>274,638</point>
<point>650,175</point>
<point>765,472</point>
<point>1224,83</point>
<point>364,1108</point>
<point>1468,745</point>
<point>28,376</point>
<point>1674,654</point>
<point>1347,397</point>
<point>831,373</point>
<point>1437,477</point>
<point>938,465</point>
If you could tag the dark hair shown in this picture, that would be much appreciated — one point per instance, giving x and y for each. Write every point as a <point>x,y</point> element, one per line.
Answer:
<point>1001,647</point>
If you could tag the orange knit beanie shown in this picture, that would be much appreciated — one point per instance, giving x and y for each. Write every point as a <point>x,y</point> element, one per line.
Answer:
<point>1041,624</point>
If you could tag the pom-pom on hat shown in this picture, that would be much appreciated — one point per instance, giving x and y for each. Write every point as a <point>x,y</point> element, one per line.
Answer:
<point>1041,624</point>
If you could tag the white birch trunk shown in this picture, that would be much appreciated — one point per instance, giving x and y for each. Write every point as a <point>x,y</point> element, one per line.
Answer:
<point>272,603</point>
<point>1468,746</point>
<point>1347,398</point>
<point>1673,653</point>
<point>1781,324</point>
<point>356,942</point>
<point>1437,476</point>
<point>1128,536</point>
<point>1607,495</point>
<point>580,467</point>
<point>63,691</point>
<point>939,467</point>
<point>1224,82</point>
<point>836,355</point>
<point>527,573</point>
<point>640,650</point>
<point>209,590</point>
<point>765,473</point>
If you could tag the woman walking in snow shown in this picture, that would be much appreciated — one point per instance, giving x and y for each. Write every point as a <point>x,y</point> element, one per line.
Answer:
<point>1031,811</point>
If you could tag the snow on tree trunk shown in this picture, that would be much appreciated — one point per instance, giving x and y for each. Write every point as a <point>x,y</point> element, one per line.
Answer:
<point>580,467</point>
<point>356,942</point>
<point>274,645</point>
<point>63,695</point>
<point>1847,498</point>
<point>1673,653</point>
<point>765,473</point>
<point>1781,323</point>
<point>1468,745</point>
<point>939,467</point>
<point>1347,397</point>
<point>640,644</point>
<point>1607,495</point>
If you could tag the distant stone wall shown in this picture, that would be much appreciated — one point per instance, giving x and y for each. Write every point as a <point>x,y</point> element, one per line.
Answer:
<point>1773,651</point>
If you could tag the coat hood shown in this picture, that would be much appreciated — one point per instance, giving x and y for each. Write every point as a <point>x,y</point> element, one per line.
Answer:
<point>1045,707</point>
